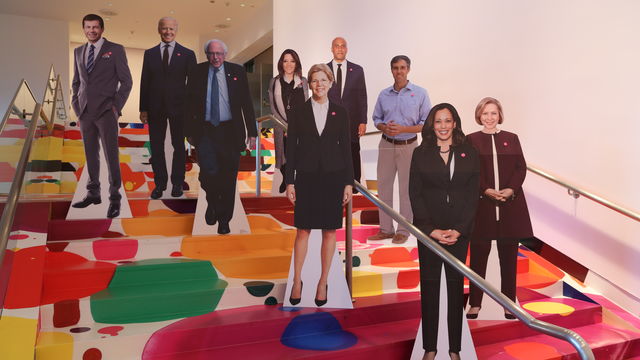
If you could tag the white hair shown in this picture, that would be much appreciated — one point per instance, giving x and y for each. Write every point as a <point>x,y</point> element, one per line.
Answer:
<point>224,46</point>
<point>167,18</point>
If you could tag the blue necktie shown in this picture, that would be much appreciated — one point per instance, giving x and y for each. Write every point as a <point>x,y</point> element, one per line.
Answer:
<point>90,59</point>
<point>215,98</point>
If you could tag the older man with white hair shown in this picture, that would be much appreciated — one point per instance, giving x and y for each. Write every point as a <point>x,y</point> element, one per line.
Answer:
<point>218,118</point>
<point>162,88</point>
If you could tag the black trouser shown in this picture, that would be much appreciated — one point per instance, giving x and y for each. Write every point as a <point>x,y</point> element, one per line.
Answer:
<point>101,129</point>
<point>355,156</point>
<point>430,272</point>
<point>157,132</point>
<point>508,254</point>
<point>219,167</point>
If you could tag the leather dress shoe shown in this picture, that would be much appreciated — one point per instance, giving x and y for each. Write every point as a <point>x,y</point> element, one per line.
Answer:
<point>88,200</point>
<point>223,228</point>
<point>176,191</point>
<point>156,193</point>
<point>114,210</point>
<point>210,215</point>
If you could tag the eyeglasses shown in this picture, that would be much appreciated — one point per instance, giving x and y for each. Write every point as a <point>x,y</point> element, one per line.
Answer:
<point>216,54</point>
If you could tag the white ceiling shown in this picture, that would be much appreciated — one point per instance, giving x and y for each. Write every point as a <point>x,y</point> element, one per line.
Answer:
<point>135,24</point>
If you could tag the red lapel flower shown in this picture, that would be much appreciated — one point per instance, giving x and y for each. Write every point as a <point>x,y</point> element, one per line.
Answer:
<point>506,143</point>
<point>333,113</point>
<point>235,78</point>
<point>106,55</point>
<point>350,69</point>
<point>412,94</point>
<point>463,155</point>
<point>179,54</point>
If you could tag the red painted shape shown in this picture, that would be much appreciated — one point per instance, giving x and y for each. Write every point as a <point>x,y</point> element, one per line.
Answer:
<point>115,249</point>
<point>18,237</point>
<point>45,177</point>
<point>6,172</point>
<point>72,135</point>
<point>112,234</point>
<point>133,180</point>
<point>139,208</point>
<point>92,354</point>
<point>78,173</point>
<point>414,253</point>
<point>66,313</point>
<point>14,134</point>
<point>79,229</point>
<point>176,254</point>
<point>408,279</point>
<point>26,275</point>
<point>111,330</point>
<point>71,276</point>
<point>392,257</point>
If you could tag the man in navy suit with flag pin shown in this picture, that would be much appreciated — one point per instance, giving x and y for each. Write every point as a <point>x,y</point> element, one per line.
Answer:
<point>101,85</point>
<point>162,91</point>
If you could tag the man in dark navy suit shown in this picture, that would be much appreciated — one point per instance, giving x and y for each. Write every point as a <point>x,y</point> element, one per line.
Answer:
<point>162,91</point>
<point>350,91</point>
<point>218,119</point>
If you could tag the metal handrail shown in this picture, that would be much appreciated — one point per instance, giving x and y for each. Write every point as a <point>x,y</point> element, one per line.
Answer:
<point>16,186</point>
<point>13,100</point>
<point>553,330</point>
<point>576,192</point>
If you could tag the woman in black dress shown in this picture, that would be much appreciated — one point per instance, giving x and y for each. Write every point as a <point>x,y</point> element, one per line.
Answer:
<point>288,90</point>
<point>443,187</point>
<point>319,175</point>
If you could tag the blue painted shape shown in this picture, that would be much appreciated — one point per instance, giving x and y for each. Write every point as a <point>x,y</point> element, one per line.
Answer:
<point>289,308</point>
<point>571,292</point>
<point>317,331</point>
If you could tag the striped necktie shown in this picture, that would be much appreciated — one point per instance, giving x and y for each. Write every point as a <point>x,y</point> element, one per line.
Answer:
<point>90,59</point>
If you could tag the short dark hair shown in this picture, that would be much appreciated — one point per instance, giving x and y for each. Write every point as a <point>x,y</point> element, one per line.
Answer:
<point>297,70</point>
<point>397,58</point>
<point>428,133</point>
<point>93,17</point>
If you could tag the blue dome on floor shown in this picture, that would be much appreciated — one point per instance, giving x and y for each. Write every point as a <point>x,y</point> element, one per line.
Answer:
<point>317,331</point>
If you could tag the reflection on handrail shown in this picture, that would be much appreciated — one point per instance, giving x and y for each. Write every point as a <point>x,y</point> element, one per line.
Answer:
<point>22,113</point>
<point>599,199</point>
<point>12,199</point>
<point>553,330</point>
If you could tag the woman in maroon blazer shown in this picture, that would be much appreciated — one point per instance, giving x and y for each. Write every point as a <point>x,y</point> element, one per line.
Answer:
<point>502,213</point>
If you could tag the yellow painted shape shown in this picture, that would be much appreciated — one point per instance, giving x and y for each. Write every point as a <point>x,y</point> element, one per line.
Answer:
<point>11,153</point>
<point>163,213</point>
<point>174,226</point>
<point>548,307</point>
<point>68,187</point>
<point>17,337</point>
<point>54,346</point>
<point>263,254</point>
<point>367,283</point>
<point>125,158</point>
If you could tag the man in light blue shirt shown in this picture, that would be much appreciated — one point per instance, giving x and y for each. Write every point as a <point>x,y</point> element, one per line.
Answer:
<point>399,113</point>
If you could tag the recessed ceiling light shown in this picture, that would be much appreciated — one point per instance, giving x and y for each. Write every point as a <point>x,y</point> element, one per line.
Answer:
<point>171,12</point>
<point>242,5</point>
<point>107,12</point>
<point>216,30</point>
<point>228,19</point>
<point>107,19</point>
<point>109,4</point>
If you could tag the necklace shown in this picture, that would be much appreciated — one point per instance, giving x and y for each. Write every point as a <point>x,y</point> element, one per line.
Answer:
<point>444,152</point>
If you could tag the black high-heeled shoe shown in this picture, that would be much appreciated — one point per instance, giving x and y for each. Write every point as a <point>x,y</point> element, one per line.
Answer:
<point>322,302</point>
<point>296,301</point>
<point>473,316</point>
<point>456,355</point>
<point>509,316</point>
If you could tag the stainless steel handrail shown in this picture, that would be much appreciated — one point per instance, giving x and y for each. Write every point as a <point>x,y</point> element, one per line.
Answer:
<point>12,199</point>
<point>553,330</point>
<point>576,190</point>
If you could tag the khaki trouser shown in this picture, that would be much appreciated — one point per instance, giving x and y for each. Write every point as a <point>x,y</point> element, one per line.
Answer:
<point>394,159</point>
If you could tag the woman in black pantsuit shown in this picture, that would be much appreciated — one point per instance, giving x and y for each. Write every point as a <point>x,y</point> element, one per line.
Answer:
<point>319,175</point>
<point>443,185</point>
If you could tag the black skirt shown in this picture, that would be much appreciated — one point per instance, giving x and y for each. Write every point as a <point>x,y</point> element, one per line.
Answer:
<point>319,200</point>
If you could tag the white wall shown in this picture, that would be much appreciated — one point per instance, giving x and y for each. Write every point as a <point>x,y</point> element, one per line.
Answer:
<point>31,46</point>
<point>566,72</point>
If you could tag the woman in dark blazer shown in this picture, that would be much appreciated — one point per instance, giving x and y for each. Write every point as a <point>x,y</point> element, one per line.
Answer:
<point>443,185</point>
<point>319,175</point>
<point>287,91</point>
<point>502,211</point>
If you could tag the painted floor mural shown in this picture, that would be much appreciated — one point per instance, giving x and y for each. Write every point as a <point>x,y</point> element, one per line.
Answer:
<point>145,288</point>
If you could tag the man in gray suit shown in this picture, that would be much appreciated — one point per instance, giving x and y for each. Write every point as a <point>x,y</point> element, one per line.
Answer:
<point>101,85</point>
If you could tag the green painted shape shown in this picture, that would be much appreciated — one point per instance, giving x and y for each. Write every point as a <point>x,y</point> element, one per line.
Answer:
<point>356,261</point>
<point>259,288</point>
<point>271,301</point>
<point>158,290</point>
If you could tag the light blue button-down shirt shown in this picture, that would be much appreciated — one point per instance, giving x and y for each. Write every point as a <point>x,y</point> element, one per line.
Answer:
<point>408,107</point>
<point>225,105</point>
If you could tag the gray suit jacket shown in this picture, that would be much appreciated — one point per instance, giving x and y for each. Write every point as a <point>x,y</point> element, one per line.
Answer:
<point>108,85</point>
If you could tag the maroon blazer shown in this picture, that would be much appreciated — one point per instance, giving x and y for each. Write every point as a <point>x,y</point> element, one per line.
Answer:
<point>514,215</point>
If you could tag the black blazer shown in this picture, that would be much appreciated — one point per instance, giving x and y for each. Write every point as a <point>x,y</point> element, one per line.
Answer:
<point>354,96</point>
<point>430,187</point>
<point>242,113</point>
<point>308,151</point>
<point>157,88</point>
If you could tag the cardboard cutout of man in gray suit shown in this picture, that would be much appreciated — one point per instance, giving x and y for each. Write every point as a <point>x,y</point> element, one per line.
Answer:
<point>101,85</point>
